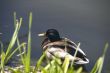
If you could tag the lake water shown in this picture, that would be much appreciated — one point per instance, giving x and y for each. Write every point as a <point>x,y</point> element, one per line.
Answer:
<point>82,21</point>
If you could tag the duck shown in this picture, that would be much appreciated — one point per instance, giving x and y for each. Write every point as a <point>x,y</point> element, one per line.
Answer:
<point>62,47</point>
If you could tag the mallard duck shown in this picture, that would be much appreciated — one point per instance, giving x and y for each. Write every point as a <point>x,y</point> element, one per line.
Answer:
<point>54,45</point>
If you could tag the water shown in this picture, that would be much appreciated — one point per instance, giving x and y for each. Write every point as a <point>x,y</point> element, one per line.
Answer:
<point>81,21</point>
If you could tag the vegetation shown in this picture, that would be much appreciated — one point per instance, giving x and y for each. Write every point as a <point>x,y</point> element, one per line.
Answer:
<point>54,66</point>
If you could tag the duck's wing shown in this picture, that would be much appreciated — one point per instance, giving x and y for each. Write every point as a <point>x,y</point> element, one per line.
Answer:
<point>80,56</point>
<point>69,41</point>
<point>73,45</point>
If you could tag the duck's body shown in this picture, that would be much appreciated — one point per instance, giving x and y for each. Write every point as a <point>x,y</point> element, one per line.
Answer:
<point>62,47</point>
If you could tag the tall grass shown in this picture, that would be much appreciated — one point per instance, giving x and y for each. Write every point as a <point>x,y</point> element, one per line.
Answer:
<point>27,56</point>
<point>99,64</point>
<point>7,55</point>
<point>54,66</point>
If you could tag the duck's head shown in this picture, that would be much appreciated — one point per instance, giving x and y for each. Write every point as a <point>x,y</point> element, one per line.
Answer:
<point>51,34</point>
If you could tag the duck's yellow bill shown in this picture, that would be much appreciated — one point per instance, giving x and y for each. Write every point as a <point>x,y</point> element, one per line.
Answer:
<point>42,34</point>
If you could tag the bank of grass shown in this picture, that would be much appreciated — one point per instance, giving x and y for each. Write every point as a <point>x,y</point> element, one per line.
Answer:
<point>54,66</point>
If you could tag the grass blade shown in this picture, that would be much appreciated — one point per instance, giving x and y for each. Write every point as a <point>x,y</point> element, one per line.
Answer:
<point>103,56</point>
<point>99,64</point>
<point>12,42</point>
<point>39,62</point>
<point>16,49</point>
<point>65,64</point>
<point>75,53</point>
<point>28,55</point>
<point>79,70</point>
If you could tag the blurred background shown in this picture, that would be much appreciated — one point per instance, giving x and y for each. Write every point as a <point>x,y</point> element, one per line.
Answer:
<point>85,21</point>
